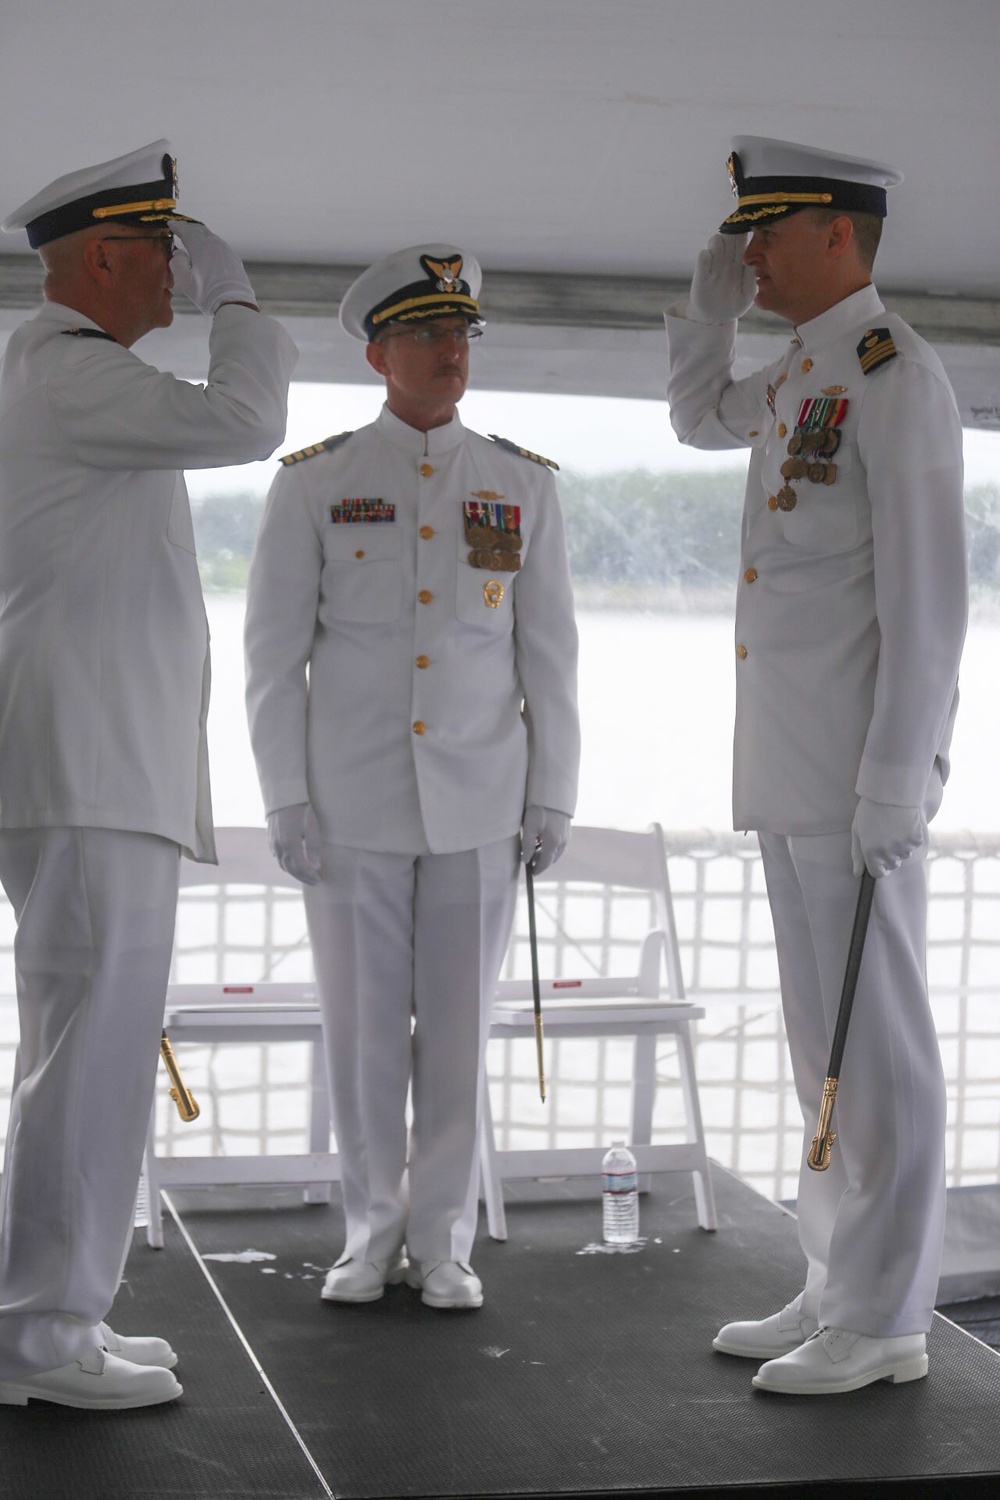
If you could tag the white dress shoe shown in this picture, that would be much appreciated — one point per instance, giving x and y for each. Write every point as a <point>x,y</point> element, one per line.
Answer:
<point>770,1337</point>
<point>362,1280</point>
<point>835,1360</point>
<point>138,1350</point>
<point>97,1382</point>
<point>446,1283</point>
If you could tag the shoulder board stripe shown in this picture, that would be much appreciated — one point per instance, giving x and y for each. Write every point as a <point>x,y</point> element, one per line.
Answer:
<point>875,349</point>
<point>326,446</point>
<point>536,458</point>
<point>90,333</point>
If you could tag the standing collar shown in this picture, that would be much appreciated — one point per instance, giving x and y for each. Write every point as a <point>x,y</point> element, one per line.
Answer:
<point>412,440</point>
<point>58,312</point>
<point>860,307</point>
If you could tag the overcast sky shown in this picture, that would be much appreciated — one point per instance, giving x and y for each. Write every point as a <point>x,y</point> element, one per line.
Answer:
<point>592,434</point>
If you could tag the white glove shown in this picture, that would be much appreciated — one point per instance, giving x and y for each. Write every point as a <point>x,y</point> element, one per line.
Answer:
<point>293,839</point>
<point>206,269</point>
<point>543,837</point>
<point>722,287</point>
<point>883,836</point>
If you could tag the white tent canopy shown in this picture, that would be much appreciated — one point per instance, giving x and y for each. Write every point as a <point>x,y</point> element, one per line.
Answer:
<point>576,146</point>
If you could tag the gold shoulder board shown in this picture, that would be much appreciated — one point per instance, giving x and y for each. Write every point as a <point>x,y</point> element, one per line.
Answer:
<point>324,447</point>
<point>536,458</point>
<point>875,349</point>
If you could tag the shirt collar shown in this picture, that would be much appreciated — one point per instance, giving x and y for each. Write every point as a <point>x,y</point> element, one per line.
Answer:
<point>420,444</point>
<point>58,312</point>
<point>860,307</point>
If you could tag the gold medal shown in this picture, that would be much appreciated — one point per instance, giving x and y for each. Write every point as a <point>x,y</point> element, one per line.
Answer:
<point>817,473</point>
<point>831,474</point>
<point>787,498</point>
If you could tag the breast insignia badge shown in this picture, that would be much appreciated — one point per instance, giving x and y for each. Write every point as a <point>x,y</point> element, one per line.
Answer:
<point>493,592</point>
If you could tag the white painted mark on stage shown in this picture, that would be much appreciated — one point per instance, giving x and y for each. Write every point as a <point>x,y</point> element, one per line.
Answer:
<point>241,1257</point>
<point>598,1247</point>
<point>492,1352</point>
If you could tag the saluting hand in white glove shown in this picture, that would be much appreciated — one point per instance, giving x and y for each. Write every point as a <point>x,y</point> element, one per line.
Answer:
<point>293,839</point>
<point>722,287</point>
<point>544,833</point>
<point>206,269</point>
<point>883,836</point>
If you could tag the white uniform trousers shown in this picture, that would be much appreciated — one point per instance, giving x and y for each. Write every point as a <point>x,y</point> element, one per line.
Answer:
<point>95,913</point>
<point>872,1224</point>
<point>407,949</point>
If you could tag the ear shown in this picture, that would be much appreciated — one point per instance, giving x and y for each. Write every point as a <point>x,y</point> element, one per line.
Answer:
<point>375,355</point>
<point>840,236</point>
<point>96,262</point>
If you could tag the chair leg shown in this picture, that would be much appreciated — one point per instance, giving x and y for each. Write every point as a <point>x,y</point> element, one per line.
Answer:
<point>319,1120</point>
<point>150,1170</point>
<point>643,1097</point>
<point>704,1195</point>
<point>489,1176</point>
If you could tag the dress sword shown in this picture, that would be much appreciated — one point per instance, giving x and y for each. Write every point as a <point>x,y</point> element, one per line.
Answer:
<point>536,991</point>
<point>819,1152</point>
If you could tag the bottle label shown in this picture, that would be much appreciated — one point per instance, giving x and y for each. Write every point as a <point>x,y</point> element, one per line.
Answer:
<point>619,1182</point>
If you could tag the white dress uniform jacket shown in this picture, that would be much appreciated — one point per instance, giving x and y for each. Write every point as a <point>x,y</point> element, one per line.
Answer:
<point>851,608</point>
<point>430,718</point>
<point>104,659</point>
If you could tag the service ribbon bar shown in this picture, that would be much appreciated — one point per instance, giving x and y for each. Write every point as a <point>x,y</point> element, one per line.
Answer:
<point>821,411</point>
<point>493,516</point>
<point>346,512</point>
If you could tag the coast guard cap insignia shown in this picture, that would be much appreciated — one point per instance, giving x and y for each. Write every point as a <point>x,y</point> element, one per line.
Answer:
<point>447,272</point>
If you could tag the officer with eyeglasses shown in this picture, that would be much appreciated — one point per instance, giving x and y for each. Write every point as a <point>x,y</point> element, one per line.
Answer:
<point>411,656</point>
<point>104,680</point>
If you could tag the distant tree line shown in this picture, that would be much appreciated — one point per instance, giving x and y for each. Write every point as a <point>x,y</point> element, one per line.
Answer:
<point>636,539</point>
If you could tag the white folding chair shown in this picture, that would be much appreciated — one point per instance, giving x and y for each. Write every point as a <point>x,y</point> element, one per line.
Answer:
<point>242,1010</point>
<point>578,1003</point>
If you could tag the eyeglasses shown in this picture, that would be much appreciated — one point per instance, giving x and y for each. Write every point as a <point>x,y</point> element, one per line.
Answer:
<point>165,241</point>
<point>434,334</point>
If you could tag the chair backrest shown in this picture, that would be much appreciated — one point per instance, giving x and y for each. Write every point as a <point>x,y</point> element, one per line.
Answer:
<point>244,859</point>
<point>610,861</point>
<point>600,862</point>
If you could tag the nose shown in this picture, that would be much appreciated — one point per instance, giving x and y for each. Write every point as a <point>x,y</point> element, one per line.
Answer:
<point>752,252</point>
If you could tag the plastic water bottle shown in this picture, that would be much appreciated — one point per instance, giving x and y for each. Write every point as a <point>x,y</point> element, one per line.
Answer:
<point>620,1192</point>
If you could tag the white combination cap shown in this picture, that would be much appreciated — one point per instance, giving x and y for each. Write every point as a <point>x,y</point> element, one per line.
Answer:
<point>138,188</point>
<point>423,281</point>
<point>772,179</point>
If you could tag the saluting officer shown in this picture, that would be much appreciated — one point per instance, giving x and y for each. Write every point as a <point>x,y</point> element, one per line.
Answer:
<point>851,614</point>
<point>104,680</point>
<point>411,657</point>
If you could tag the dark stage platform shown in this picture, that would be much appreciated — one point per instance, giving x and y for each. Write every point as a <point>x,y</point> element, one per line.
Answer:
<point>586,1373</point>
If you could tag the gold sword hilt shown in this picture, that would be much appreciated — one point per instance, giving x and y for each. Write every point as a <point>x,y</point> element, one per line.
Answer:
<point>539,1048</point>
<point>187,1105</point>
<point>819,1151</point>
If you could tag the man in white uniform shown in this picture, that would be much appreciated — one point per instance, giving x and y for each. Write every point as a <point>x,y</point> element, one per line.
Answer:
<point>851,615</point>
<point>411,657</point>
<point>104,681</point>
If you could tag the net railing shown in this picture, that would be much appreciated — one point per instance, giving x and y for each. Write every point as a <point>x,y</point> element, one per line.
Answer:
<point>254,1097</point>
